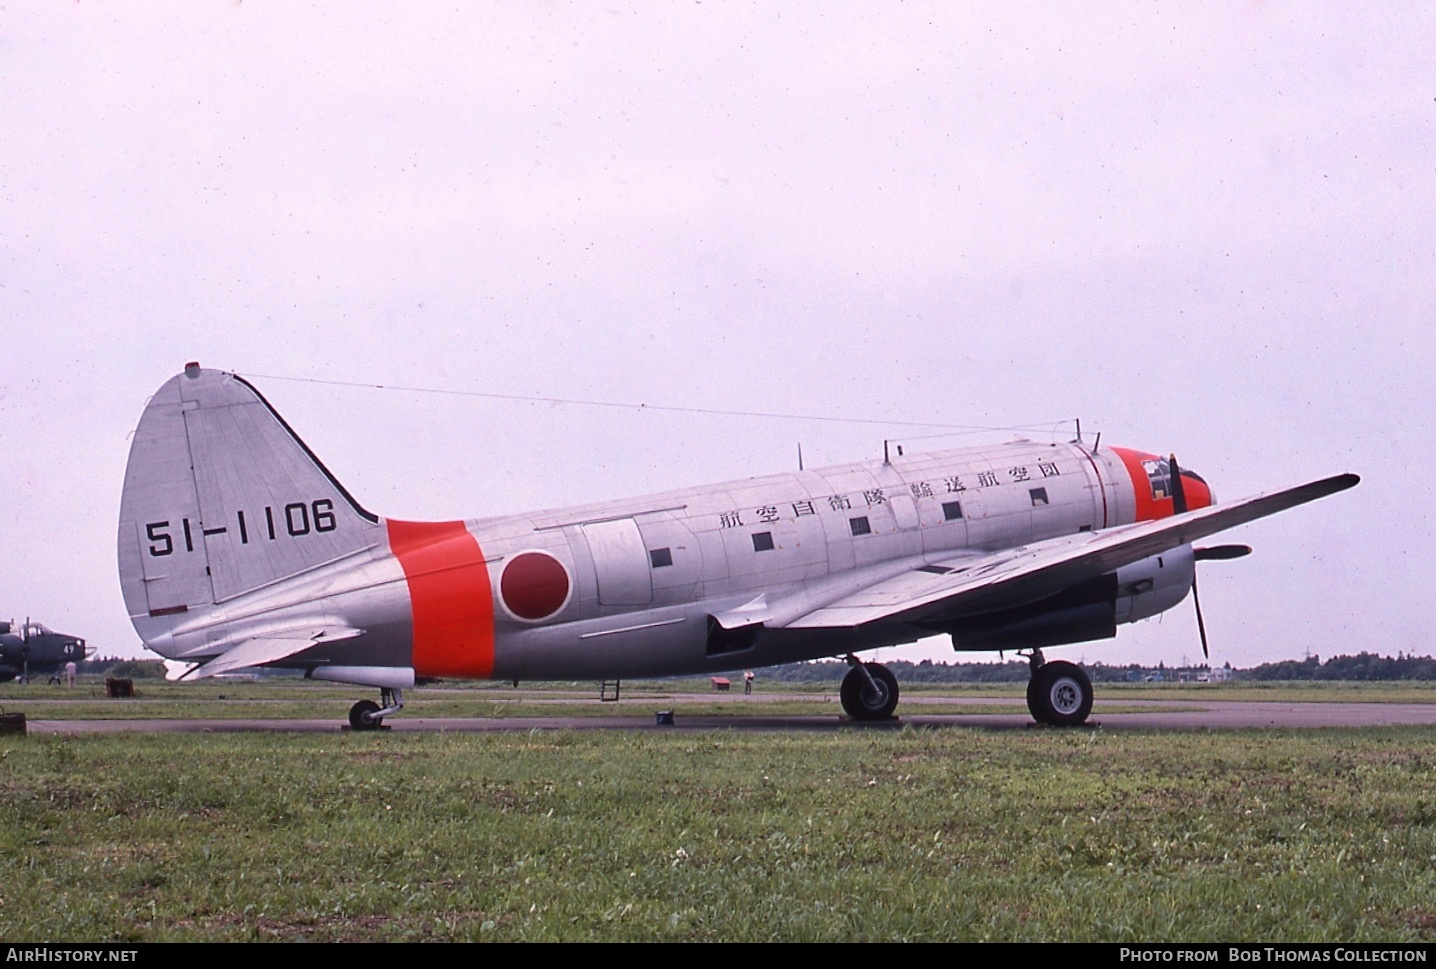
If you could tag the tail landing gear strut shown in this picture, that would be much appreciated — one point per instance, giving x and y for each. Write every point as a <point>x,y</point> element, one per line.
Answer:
<point>368,715</point>
<point>1059,693</point>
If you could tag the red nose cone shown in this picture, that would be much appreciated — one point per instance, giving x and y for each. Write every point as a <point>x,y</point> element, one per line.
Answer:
<point>1196,490</point>
<point>1152,487</point>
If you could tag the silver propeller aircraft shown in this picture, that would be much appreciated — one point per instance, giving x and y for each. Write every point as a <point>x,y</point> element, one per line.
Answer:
<point>238,548</point>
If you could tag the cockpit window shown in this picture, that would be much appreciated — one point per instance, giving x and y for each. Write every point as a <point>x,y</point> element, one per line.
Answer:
<point>1159,476</point>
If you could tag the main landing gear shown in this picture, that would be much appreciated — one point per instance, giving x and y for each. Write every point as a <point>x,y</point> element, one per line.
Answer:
<point>368,715</point>
<point>869,691</point>
<point>1059,693</point>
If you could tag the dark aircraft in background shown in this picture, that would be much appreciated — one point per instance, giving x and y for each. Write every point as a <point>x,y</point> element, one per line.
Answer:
<point>33,650</point>
<point>238,549</point>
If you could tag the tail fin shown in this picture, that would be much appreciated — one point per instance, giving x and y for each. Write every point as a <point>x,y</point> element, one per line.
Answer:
<point>221,498</point>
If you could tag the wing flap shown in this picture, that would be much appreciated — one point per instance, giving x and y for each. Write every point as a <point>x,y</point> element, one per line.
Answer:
<point>1017,576</point>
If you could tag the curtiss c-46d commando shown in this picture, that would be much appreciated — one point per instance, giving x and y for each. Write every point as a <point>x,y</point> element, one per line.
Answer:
<point>238,548</point>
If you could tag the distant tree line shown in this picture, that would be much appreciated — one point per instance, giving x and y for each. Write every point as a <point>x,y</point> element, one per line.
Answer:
<point>133,669</point>
<point>1362,666</point>
<point>926,671</point>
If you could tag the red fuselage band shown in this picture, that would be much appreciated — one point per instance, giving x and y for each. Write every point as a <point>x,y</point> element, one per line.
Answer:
<point>449,594</point>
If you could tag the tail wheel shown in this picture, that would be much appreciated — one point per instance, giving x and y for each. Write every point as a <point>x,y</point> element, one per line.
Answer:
<point>364,716</point>
<point>1060,693</point>
<point>863,700</point>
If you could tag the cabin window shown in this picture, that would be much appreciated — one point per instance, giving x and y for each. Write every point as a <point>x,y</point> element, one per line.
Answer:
<point>860,525</point>
<point>660,557</point>
<point>951,510</point>
<point>762,541</point>
<point>1039,496</point>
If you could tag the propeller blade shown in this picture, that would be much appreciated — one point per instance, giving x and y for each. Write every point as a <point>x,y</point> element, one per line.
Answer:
<point>1212,553</point>
<point>1221,552</point>
<point>1201,626</point>
<point>1179,493</point>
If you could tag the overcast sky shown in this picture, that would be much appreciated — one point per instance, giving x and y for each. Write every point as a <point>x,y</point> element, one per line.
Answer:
<point>1206,229</point>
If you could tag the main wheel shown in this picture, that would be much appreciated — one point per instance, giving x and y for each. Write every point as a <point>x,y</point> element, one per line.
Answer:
<point>1060,693</point>
<point>362,716</point>
<point>1034,705</point>
<point>861,701</point>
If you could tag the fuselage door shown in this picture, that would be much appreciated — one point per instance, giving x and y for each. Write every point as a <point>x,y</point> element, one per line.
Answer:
<point>904,511</point>
<point>620,563</point>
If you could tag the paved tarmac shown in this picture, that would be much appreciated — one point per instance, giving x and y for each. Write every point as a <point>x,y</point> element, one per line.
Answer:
<point>639,713</point>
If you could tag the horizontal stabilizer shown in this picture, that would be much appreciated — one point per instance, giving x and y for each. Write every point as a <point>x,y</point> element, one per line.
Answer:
<point>178,669</point>
<point>263,650</point>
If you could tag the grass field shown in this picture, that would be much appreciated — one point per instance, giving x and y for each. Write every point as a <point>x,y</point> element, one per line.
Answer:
<point>946,834</point>
<point>300,699</point>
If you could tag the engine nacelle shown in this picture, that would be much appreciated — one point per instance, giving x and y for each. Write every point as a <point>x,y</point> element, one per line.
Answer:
<point>1155,584</point>
<point>1080,613</point>
<point>1083,612</point>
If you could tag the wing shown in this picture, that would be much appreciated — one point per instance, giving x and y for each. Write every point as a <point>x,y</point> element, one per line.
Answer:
<point>262,650</point>
<point>1013,577</point>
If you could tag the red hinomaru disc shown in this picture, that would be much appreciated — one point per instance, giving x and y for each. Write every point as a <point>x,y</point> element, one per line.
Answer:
<point>534,585</point>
